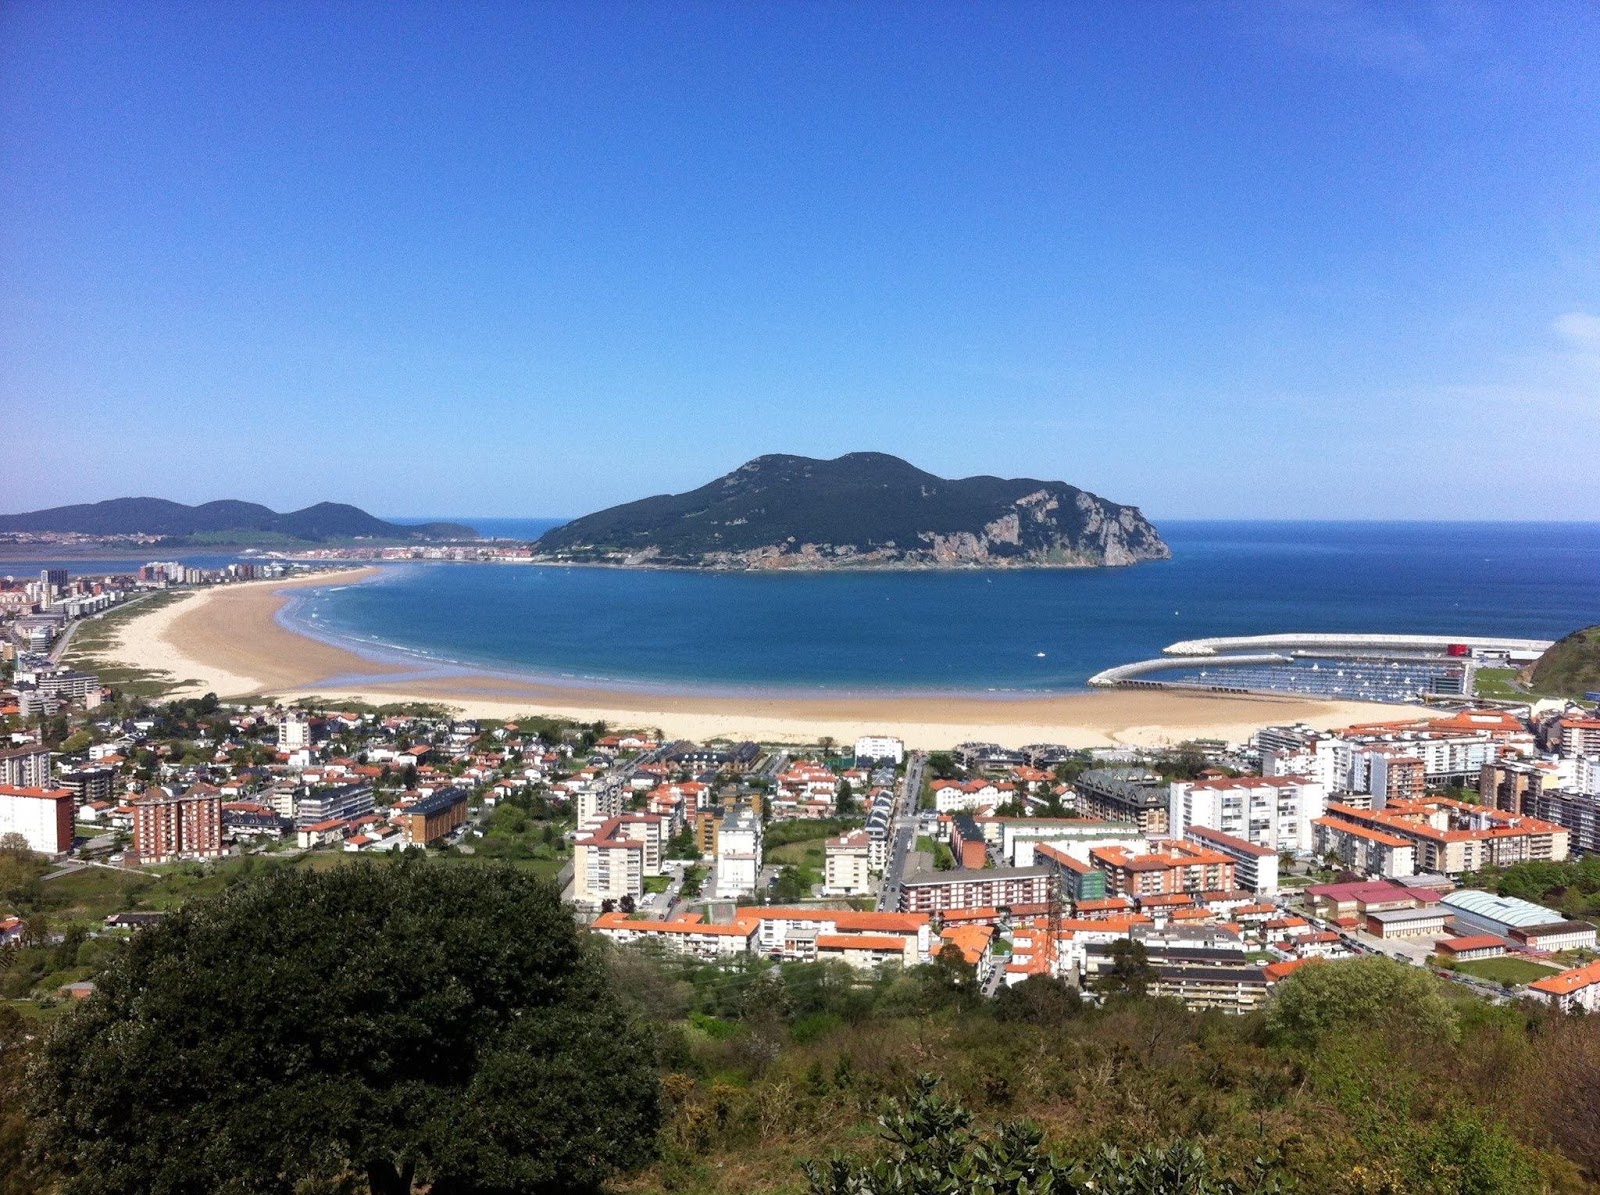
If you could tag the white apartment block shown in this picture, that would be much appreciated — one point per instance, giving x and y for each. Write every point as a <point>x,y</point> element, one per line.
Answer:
<point>873,746</point>
<point>1363,850</point>
<point>688,935</point>
<point>738,858</point>
<point>606,869</point>
<point>1272,812</point>
<point>847,865</point>
<point>294,732</point>
<point>594,803</point>
<point>1580,736</point>
<point>1254,867</point>
<point>613,861</point>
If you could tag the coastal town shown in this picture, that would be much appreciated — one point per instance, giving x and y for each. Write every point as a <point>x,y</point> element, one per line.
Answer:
<point>1227,865</point>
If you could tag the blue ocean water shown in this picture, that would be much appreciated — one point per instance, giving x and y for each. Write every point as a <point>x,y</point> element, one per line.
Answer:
<point>971,631</point>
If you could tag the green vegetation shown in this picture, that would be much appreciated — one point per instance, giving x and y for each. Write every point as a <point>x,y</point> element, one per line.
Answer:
<point>931,1147</point>
<point>1572,887</point>
<point>780,834</point>
<point>226,522</point>
<point>250,1023</point>
<point>526,827</point>
<point>1364,995</point>
<point>1571,666</point>
<point>1499,684</point>
<point>769,1067</point>
<point>866,500</point>
<point>1513,971</point>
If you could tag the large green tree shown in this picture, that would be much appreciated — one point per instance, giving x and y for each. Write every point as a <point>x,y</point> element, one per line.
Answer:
<point>405,1023</point>
<point>1359,995</point>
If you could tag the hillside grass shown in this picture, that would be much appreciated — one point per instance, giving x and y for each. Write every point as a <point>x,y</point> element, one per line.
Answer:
<point>1514,971</point>
<point>1571,667</point>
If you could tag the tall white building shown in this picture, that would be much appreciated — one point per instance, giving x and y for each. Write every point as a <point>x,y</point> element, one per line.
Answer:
<point>847,865</point>
<point>595,803</point>
<point>43,816</point>
<point>738,854</point>
<point>876,746</point>
<point>1274,812</point>
<point>294,732</point>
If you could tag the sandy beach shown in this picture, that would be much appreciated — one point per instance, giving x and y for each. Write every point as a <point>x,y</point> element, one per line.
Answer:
<point>227,641</point>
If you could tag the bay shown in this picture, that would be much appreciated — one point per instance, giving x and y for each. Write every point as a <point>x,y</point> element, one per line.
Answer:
<point>970,630</point>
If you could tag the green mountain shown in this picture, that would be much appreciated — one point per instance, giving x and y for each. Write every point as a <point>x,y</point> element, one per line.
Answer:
<point>1571,666</point>
<point>224,522</point>
<point>866,508</point>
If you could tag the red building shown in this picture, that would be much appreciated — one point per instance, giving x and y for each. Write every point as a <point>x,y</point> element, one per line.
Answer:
<point>169,825</point>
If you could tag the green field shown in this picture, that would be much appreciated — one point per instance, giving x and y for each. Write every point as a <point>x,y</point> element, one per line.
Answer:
<point>1499,683</point>
<point>1514,971</point>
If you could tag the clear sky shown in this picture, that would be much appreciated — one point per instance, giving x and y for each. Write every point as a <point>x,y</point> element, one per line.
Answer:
<point>1278,260</point>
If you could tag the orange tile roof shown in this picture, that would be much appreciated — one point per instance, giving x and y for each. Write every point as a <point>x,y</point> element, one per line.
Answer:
<point>860,942</point>
<point>1568,981</point>
<point>972,940</point>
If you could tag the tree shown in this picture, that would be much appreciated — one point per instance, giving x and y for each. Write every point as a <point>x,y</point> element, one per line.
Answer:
<point>18,1166</point>
<point>1038,1000</point>
<point>1361,994</point>
<point>933,1150</point>
<point>791,886</point>
<point>376,1020</point>
<point>1130,973</point>
<point>844,803</point>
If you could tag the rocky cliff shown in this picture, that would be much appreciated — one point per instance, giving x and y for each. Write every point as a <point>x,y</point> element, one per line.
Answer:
<point>864,508</point>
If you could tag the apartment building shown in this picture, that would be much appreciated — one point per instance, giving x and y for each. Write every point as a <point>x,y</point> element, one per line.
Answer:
<point>1135,795</point>
<point>738,854</point>
<point>1274,812</point>
<point>171,825</point>
<point>1255,868</point>
<point>430,818</point>
<point>25,767</point>
<point>805,935</point>
<point>1169,867</point>
<point>875,747</point>
<point>43,816</point>
<point>1394,774</point>
<point>606,869</point>
<point>689,934</point>
<point>1450,837</point>
<point>994,888</point>
<point>847,864</point>
<point>1578,988</point>
<point>340,802</point>
<point>1580,736</point>
<point>1361,848</point>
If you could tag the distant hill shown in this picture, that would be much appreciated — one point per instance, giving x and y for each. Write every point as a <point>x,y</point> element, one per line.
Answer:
<point>224,522</point>
<point>1570,667</point>
<point>865,508</point>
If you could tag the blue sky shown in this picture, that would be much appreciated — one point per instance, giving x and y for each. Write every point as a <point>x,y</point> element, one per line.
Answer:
<point>1276,260</point>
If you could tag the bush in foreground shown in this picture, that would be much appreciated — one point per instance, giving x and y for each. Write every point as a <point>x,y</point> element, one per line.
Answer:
<point>405,1023</point>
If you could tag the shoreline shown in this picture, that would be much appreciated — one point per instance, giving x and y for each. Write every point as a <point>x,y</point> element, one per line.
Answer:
<point>230,641</point>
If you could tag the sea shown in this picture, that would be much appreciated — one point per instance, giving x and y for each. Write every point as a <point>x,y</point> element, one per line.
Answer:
<point>1021,631</point>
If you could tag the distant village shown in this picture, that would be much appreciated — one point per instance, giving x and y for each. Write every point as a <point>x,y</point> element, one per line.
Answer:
<point>1227,865</point>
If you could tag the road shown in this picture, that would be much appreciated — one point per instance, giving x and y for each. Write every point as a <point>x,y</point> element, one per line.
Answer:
<point>59,648</point>
<point>902,833</point>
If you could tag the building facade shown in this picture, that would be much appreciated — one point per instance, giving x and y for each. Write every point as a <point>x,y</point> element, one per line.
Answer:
<point>171,825</point>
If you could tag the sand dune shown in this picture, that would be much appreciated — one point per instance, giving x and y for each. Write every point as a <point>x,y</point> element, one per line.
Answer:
<point>228,640</point>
